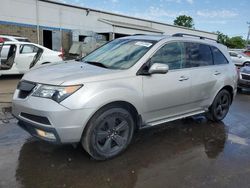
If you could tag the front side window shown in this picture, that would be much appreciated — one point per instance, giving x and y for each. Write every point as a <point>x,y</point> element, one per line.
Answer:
<point>119,54</point>
<point>198,55</point>
<point>219,58</point>
<point>171,54</point>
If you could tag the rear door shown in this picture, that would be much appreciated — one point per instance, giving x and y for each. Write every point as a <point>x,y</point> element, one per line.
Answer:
<point>200,64</point>
<point>167,95</point>
<point>25,57</point>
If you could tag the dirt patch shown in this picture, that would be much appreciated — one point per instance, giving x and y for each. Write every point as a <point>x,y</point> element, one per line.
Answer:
<point>5,113</point>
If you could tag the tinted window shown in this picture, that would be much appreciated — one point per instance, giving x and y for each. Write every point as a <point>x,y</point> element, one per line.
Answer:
<point>171,54</point>
<point>198,55</point>
<point>219,58</point>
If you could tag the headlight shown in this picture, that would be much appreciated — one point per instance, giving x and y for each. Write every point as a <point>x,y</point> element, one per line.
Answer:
<point>56,93</point>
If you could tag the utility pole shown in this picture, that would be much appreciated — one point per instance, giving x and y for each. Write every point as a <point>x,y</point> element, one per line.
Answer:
<point>37,22</point>
<point>248,35</point>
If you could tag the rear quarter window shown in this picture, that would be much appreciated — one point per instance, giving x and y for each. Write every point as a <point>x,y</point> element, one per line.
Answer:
<point>219,58</point>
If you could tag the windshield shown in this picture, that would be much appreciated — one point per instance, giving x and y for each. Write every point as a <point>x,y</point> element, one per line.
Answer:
<point>119,54</point>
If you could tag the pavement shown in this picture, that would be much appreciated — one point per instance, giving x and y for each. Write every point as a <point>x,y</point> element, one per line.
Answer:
<point>191,152</point>
<point>7,87</point>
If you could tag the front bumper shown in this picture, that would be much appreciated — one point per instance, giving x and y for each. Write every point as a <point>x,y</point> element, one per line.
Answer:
<point>243,83</point>
<point>33,130</point>
<point>36,113</point>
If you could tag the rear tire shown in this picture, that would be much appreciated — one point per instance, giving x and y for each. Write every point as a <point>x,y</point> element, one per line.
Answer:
<point>108,133</point>
<point>220,107</point>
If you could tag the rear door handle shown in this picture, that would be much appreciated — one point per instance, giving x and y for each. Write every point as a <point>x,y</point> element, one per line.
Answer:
<point>183,78</point>
<point>216,73</point>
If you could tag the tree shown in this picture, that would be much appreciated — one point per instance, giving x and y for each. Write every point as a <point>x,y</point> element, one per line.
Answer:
<point>236,42</point>
<point>233,42</point>
<point>185,21</point>
<point>222,38</point>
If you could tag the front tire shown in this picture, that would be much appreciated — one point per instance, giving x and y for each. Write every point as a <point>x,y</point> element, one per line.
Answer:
<point>108,133</point>
<point>220,107</point>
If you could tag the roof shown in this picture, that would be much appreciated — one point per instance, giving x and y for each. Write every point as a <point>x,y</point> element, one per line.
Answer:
<point>125,16</point>
<point>147,37</point>
<point>130,26</point>
<point>18,42</point>
<point>13,36</point>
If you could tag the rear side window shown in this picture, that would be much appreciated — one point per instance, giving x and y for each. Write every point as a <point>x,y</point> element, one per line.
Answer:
<point>25,49</point>
<point>171,54</point>
<point>198,55</point>
<point>232,54</point>
<point>219,58</point>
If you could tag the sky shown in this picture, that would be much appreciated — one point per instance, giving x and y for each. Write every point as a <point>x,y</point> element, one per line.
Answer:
<point>227,16</point>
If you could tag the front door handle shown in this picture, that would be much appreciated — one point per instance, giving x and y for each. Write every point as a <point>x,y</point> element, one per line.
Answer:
<point>183,78</point>
<point>216,73</point>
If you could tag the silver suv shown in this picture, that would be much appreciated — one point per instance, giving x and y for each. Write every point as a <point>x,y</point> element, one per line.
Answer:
<point>128,84</point>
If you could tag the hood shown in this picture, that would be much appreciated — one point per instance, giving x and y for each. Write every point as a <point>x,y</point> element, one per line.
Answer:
<point>70,72</point>
<point>245,69</point>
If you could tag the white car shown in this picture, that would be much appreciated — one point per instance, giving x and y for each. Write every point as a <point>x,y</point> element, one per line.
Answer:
<point>6,38</point>
<point>239,58</point>
<point>19,57</point>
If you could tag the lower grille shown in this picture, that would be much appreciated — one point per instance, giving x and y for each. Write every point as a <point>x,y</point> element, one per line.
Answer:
<point>25,88</point>
<point>245,77</point>
<point>39,119</point>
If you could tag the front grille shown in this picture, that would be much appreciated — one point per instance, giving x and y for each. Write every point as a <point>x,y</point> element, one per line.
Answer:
<point>25,88</point>
<point>39,119</point>
<point>245,77</point>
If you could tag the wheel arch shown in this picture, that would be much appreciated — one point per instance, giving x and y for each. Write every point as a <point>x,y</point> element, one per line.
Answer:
<point>230,90</point>
<point>123,104</point>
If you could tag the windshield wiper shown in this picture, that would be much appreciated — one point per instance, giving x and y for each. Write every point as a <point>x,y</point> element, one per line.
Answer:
<point>96,64</point>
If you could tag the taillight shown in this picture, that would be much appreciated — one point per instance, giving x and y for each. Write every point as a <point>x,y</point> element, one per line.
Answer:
<point>62,53</point>
<point>1,40</point>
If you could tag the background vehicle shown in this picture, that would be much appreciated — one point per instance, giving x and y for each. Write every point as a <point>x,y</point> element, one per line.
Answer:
<point>239,58</point>
<point>129,83</point>
<point>244,78</point>
<point>19,57</point>
<point>5,38</point>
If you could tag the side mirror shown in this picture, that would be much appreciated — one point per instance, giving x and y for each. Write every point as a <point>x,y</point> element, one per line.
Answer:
<point>239,56</point>
<point>158,68</point>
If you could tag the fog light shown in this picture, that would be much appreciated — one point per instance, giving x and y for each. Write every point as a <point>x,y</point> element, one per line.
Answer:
<point>46,134</point>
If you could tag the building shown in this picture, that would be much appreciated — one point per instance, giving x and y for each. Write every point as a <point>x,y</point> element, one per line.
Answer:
<point>51,23</point>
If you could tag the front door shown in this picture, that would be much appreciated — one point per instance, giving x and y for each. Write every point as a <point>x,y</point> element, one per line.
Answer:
<point>167,95</point>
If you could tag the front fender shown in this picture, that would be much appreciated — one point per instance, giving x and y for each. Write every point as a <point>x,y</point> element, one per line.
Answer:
<point>96,95</point>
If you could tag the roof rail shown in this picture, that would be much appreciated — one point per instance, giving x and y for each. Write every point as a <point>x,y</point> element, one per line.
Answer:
<point>191,35</point>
